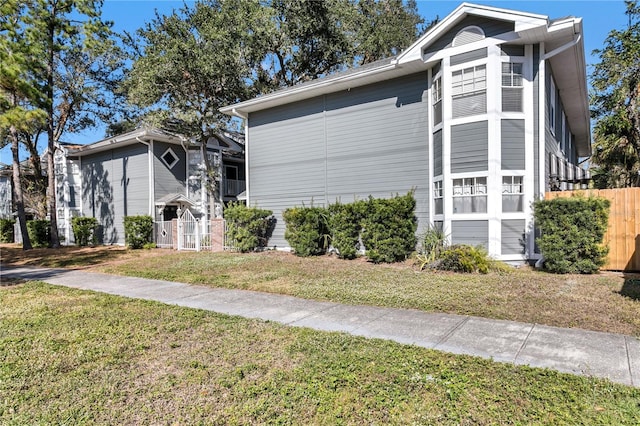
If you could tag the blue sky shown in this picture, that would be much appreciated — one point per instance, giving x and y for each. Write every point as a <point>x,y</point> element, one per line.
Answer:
<point>599,17</point>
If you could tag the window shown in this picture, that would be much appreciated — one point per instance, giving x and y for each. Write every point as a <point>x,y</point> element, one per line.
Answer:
<point>512,86</point>
<point>438,197</point>
<point>468,90</point>
<point>170,158</point>
<point>470,195</point>
<point>552,108</point>
<point>563,135</point>
<point>437,101</point>
<point>512,194</point>
<point>469,81</point>
<point>468,35</point>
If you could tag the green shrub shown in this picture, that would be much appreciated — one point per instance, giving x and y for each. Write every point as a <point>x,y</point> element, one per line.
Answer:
<point>307,230</point>
<point>433,242</point>
<point>345,223</point>
<point>138,231</point>
<point>6,230</point>
<point>572,231</point>
<point>248,228</point>
<point>84,230</point>
<point>389,228</point>
<point>464,258</point>
<point>39,233</point>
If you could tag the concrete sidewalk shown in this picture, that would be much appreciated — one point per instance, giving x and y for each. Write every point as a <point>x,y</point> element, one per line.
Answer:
<point>612,356</point>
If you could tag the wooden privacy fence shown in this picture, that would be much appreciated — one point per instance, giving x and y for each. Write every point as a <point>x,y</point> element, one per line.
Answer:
<point>623,234</point>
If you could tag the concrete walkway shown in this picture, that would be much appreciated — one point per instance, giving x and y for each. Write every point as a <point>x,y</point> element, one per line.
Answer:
<point>612,356</point>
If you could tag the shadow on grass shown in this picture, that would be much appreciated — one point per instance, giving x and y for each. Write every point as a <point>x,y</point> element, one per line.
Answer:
<point>631,286</point>
<point>63,257</point>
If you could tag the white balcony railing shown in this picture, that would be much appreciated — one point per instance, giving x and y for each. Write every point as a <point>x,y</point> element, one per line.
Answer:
<point>233,187</point>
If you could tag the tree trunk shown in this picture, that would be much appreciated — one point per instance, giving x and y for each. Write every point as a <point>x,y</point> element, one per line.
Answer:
<point>17,191</point>
<point>51,193</point>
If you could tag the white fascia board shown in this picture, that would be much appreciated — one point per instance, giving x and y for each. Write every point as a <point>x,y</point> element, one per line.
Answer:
<point>522,22</point>
<point>124,140</point>
<point>486,42</point>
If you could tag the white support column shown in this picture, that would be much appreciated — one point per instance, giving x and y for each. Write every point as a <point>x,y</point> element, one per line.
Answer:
<point>431,158</point>
<point>494,180</point>
<point>447,115</point>
<point>529,130</point>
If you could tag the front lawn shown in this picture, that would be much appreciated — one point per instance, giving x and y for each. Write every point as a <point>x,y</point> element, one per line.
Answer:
<point>604,302</point>
<point>78,357</point>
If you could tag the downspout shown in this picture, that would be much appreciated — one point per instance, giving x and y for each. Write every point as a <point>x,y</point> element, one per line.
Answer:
<point>554,52</point>
<point>245,117</point>
<point>152,192</point>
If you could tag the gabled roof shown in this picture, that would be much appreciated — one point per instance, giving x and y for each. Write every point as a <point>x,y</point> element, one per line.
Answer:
<point>174,198</point>
<point>130,138</point>
<point>230,142</point>
<point>563,44</point>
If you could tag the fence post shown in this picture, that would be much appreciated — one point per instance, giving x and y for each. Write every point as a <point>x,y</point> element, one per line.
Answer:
<point>198,234</point>
<point>217,235</point>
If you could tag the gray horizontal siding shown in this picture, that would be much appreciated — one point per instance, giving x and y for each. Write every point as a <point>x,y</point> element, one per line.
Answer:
<point>468,56</point>
<point>437,153</point>
<point>513,146</point>
<point>512,99</point>
<point>513,236</point>
<point>115,185</point>
<point>469,147</point>
<point>344,146</point>
<point>491,27</point>
<point>471,232</point>
<point>167,180</point>
<point>512,50</point>
<point>472,104</point>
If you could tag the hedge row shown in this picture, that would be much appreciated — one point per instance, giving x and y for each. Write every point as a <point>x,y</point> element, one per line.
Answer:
<point>572,233</point>
<point>385,228</point>
<point>248,228</point>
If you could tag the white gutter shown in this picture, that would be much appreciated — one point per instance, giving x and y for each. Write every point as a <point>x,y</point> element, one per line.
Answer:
<point>152,192</point>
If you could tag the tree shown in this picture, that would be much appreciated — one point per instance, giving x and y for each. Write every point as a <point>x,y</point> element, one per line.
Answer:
<point>19,98</point>
<point>77,71</point>
<point>615,103</point>
<point>307,39</point>
<point>190,64</point>
<point>218,52</point>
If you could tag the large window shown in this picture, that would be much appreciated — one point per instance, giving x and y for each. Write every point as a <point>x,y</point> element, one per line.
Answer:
<point>470,195</point>
<point>438,197</point>
<point>469,91</point>
<point>437,101</point>
<point>512,194</point>
<point>512,86</point>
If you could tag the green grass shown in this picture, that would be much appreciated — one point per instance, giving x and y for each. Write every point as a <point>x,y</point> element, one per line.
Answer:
<point>76,357</point>
<point>606,302</point>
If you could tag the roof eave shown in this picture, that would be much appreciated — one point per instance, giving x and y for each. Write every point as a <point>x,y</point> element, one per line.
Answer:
<point>125,139</point>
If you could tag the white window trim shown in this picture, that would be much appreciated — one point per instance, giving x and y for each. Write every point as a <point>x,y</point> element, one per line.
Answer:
<point>438,196</point>
<point>170,166</point>
<point>473,69</point>
<point>474,189</point>
<point>475,28</point>
<point>512,62</point>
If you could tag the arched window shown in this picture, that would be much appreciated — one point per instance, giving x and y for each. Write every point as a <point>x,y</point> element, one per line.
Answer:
<point>468,35</point>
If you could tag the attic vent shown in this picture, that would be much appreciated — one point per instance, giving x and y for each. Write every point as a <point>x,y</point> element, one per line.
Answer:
<point>468,35</point>
<point>170,158</point>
